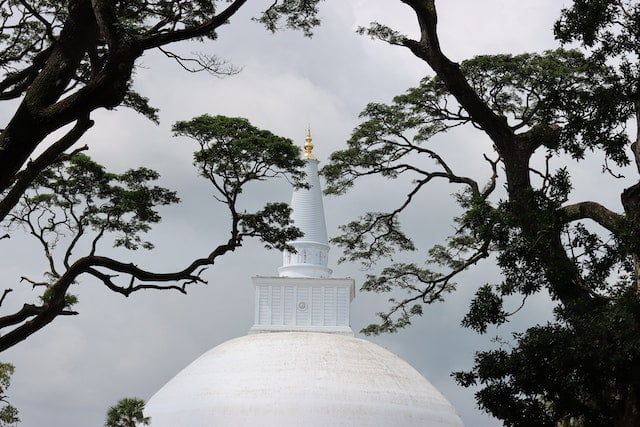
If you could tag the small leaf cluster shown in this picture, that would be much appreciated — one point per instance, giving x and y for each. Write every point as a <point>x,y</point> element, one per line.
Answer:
<point>421,285</point>
<point>292,14</point>
<point>8,413</point>
<point>128,412</point>
<point>233,152</point>
<point>272,225</point>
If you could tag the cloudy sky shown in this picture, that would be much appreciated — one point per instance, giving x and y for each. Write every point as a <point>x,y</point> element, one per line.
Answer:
<point>70,372</point>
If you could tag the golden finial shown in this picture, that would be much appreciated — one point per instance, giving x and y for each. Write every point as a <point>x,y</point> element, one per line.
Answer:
<point>308,145</point>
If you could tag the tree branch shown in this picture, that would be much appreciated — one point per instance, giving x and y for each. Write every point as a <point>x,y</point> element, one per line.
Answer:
<point>161,39</point>
<point>610,220</point>
<point>51,155</point>
<point>428,49</point>
<point>4,295</point>
<point>209,63</point>
<point>105,18</point>
<point>40,316</point>
<point>21,80</point>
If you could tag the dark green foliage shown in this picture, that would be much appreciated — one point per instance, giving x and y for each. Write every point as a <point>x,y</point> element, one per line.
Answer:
<point>572,368</point>
<point>80,196</point>
<point>581,368</point>
<point>296,14</point>
<point>127,413</point>
<point>77,204</point>
<point>140,104</point>
<point>609,29</point>
<point>485,309</point>
<point>233,153</point>
<point>564,101</point>
<point>561,89</point>
<point>608,26</point>
<point>272,225</point>
<point>374,236</point>
<point>8,413</point>
<point>422,285</point>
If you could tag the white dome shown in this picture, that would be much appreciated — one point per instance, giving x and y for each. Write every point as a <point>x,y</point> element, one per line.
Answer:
<point>299,379</point>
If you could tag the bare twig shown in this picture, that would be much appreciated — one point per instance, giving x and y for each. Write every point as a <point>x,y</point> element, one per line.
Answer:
<point>201,62</point>
<point>4,295</point>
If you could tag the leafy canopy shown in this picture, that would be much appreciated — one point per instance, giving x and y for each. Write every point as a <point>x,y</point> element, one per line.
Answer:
<point>549,99</point>
<point>582,366</point>
<point>233,153</point>
<point>80,195</point>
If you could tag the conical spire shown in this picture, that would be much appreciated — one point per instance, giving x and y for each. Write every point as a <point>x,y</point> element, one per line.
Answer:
<point>312,249</point>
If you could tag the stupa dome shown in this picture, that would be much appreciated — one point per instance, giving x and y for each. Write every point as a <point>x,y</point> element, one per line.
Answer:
<point>300,365</point>
<point>299,379</point>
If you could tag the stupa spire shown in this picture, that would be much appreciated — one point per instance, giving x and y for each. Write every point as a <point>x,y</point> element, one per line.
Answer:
<point>304,297</point>
<point>311,256</point>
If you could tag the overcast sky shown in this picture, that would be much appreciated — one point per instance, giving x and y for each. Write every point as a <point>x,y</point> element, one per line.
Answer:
<point>70,372</point>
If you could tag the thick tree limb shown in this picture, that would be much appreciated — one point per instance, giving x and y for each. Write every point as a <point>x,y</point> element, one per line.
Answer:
<point>105,18</point>
<point>19,81</point>
<point>126,291</point>
<point>41,112</point>
<point>428,49</point>
<point>29,126</point>
<point>610,220</point>
<point>161,39</point>
<point>33,169</point>
<point>36,317</point>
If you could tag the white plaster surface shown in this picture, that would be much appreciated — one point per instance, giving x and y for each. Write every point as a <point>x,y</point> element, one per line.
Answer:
<point>308,210</point>
<point>302,304</point>
<point>311,257</point>
<point>299,379</point>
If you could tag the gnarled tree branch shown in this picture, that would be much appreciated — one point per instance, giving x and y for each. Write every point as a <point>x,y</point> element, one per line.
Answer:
<point>608,219</point>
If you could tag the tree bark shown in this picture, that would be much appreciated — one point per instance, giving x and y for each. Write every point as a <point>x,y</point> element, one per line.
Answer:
<point>29,125</point>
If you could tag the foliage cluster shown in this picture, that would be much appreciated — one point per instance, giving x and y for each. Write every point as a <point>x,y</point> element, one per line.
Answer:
<point>127,413</point>
<point>580,368</point>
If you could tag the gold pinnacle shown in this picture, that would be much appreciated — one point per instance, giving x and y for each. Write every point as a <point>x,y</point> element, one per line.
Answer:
<point>308,146</point>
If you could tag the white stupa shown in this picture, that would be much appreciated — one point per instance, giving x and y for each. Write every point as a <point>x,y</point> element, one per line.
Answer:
<point>300,364</point>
